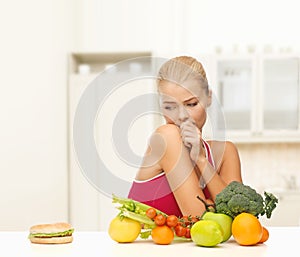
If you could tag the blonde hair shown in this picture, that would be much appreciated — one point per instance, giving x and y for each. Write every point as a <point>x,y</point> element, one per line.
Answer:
<point>181,69</point>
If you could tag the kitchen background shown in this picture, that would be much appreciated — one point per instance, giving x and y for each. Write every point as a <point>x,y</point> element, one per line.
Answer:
<point>44,45</point>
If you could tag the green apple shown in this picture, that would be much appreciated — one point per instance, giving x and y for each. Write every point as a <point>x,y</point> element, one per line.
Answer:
<point>224,220</point>
<point>207,233</point>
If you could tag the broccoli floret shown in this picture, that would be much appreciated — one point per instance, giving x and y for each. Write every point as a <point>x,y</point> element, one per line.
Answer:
<point>237,198</point>
<point>270,203</point>
<point>241,203</point>
<point>223,208</point>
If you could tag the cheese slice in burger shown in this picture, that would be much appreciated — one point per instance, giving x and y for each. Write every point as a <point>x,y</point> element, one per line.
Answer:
<point>56,233</point>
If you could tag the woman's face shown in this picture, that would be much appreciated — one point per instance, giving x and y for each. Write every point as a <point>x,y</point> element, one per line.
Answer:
<point>179,103</point>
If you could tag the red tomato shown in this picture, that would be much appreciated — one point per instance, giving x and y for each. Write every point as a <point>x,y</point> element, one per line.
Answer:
<point>194,219</point>
<point>188,233</point>
<point>160,220</point>
<point>180,230</point>
<point>172,221</point>
<point>185,220</point>
<point>151,213</point>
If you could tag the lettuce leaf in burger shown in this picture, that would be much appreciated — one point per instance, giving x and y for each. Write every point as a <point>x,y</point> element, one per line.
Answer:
<point>56,233</point>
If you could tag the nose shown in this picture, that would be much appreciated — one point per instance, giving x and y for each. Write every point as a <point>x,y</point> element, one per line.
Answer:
<point>182,114</point>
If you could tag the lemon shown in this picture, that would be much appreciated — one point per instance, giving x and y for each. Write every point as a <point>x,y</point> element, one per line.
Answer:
<point>207,233</point>
<point>124,230</point>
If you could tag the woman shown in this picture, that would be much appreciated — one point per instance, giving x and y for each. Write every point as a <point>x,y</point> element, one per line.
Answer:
<point>179,164</point>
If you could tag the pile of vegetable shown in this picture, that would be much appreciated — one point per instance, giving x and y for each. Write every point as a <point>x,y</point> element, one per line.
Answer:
<point>234,200</point>
<point>237,198</point>
<point>150,218</point>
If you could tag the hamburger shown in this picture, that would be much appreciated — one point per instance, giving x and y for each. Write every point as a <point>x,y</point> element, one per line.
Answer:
<point>56,233</point>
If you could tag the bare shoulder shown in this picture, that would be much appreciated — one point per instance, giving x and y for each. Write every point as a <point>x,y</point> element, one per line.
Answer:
<point>166,134</point>
<point>224,151</point>
<point>230,148</point>
<point>168,129</point>
<point>161,141</point>
<point>163,137</point>
<point>223,147</point>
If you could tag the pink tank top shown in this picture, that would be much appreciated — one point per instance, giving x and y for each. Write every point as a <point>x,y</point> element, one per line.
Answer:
<point>156,192</point>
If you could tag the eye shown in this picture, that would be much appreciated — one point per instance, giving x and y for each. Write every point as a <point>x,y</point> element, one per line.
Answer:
<point>169,107</point>
<point>192,104</point>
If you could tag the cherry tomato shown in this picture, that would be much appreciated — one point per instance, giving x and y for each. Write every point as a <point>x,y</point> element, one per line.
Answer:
<point>180,230</point>
<point>151,213</point>
<point>160,220</point>
<point>185,220</point>
<point>188,233</point>
<point>194,219</point>
<point>172,221</point>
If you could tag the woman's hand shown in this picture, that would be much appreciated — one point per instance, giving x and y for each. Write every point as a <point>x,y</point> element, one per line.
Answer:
<point>192,138</point>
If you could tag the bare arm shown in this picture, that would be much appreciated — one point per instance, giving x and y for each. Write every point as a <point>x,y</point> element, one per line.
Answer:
<point>227,167</point>
<point>180,172</point>
<point>167,152</point>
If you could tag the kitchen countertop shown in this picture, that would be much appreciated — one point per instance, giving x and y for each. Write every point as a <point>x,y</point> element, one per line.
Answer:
<point>282,239</point>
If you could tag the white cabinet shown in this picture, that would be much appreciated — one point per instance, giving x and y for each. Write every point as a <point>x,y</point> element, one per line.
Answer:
<point>83,198</point>
<point>280,93</point>
<point>235,86</point>
<point>90,207</point>
<point>259,96</point>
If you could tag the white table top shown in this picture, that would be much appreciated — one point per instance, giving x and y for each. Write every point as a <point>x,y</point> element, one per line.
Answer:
<point>99,244</point>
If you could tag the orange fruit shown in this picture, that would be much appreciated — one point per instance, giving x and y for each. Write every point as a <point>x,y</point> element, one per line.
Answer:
<point>265,235</point>
<point>162,235</point>
<point>246,229</point>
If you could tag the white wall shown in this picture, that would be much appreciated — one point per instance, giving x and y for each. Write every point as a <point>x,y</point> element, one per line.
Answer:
<point>234,23</point>
<point>35,40</point>
<point>271,166</point>
<point>189,26</point>
<point>129,25</point>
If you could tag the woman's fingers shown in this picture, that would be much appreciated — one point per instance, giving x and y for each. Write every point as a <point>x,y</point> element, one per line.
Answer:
<point>190,133</point>
<point>192,138</point>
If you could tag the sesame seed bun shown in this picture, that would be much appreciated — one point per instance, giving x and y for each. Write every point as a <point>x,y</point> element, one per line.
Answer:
<point>50,228</point>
